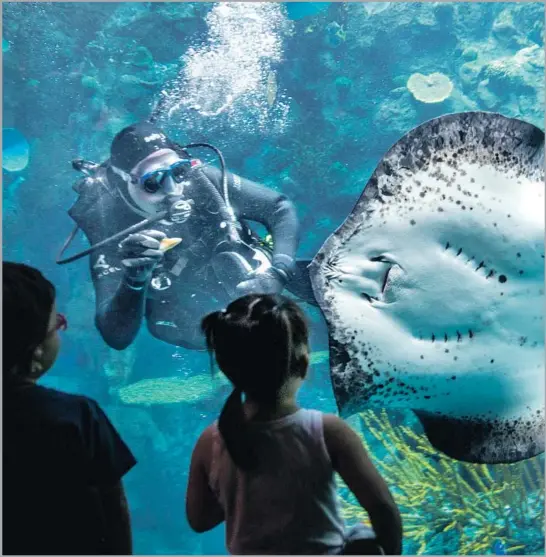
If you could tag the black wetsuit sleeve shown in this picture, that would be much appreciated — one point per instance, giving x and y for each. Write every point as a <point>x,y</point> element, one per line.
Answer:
<point>274,210</point>
<point>119,309</point>
<point>108,456</point>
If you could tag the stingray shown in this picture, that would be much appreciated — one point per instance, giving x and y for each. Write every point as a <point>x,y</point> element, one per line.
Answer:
<point>433,287</point>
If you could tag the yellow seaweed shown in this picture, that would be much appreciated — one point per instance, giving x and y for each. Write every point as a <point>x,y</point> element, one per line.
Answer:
<point>439,496</point>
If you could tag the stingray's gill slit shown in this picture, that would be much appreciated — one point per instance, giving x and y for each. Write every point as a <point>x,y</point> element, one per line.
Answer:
<point>434,337</point>
<point>471,335</point>
<point>482,264</point>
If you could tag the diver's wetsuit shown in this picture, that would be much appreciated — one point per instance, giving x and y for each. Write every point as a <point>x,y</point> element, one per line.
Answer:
<point>192,279</point>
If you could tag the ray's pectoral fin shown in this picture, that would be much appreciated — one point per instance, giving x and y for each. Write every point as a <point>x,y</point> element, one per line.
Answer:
<point>340,363</point>
<point>484,441</point>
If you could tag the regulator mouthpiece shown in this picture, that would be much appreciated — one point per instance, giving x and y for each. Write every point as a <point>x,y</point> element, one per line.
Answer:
<point>180,211</point>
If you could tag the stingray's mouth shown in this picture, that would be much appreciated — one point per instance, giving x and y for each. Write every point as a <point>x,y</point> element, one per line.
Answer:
<point>385,284</point>
<point>386,280</point>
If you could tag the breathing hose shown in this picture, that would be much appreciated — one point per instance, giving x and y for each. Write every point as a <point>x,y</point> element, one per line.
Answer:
<point>131,230</point>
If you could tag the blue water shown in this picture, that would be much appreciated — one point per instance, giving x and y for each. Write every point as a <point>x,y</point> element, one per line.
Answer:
<point>304,100</point>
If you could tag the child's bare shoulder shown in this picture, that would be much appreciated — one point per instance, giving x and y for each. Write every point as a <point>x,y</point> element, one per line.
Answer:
<point>338,434</point>
<point>203,447</point>
<point>333,423</point>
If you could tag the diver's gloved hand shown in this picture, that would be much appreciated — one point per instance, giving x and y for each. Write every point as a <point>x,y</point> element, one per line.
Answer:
<point>140,254</point>
<point>272,281</point>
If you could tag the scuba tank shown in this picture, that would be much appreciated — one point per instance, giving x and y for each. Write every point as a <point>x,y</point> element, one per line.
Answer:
<point>98,209</point>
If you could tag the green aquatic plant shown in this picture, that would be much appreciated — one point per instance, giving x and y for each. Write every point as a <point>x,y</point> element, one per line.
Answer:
<point>449,506</point>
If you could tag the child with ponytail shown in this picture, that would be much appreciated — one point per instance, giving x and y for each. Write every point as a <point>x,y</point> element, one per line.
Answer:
<point>267,467</point>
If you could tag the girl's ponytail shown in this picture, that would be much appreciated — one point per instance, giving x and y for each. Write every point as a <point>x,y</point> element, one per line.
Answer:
<point>231,423</point>
<point>239,441</point>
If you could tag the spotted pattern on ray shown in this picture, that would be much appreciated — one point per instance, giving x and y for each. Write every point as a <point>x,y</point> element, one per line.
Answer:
<point>435,170</point>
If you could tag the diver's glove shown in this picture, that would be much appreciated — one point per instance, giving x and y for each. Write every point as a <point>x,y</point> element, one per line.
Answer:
<point>272,281</point>
<point>140,253</point>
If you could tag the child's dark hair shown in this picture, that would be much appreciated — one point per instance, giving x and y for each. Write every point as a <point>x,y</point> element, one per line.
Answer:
<point>259,341</point>
<point>27,301</point>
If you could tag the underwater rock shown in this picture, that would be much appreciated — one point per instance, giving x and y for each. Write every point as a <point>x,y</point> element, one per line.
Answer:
<point>471,22</point>
<point>459,102</point>
<point>141,57</point>
<point>165,29</point>
<point>433,88</point>
<point>374,8</point>
<point>395,114</point>
<point>343,85</point>
<point>443,12</point>
<point>133,87</point>
<point>299,10</point>
<point>172,390</point>
<point>524,69</point>
<point>516,83</point>
<point>505,31</point>
<point>90,82</point>
<point>489,100</point>
<point>470,54</point>
<point>15,150</point>
<point>468,74</point>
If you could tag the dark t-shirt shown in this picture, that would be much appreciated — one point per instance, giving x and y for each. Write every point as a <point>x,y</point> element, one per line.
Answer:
<point>58,449</point>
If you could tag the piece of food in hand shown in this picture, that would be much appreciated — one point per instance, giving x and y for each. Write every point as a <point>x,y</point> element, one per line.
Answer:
<point>169,243</point>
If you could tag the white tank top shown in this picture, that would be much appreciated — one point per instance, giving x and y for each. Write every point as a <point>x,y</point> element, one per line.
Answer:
<point>290,505</point>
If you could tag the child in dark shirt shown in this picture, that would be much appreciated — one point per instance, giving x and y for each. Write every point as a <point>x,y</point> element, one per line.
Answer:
<point>62,458</point>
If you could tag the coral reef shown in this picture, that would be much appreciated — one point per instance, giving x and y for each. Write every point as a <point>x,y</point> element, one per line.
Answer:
<point>447,506</point>
<point>433,88</point>
<point>118,366</point>
<point>15,150</point>
<point>171,390</point>
<point>319,357</point>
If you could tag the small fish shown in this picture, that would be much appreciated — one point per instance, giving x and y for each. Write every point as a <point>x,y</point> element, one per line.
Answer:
<point>169,243</point>
<point>499,548</point>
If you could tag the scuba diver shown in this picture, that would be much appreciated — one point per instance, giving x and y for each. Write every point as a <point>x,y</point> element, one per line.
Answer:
<point>192,254</point>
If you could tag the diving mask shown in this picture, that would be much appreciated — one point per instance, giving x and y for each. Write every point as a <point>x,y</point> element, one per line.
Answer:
<point>152,181</point>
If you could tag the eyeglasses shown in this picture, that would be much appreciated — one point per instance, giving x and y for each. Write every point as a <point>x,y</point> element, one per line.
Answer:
<point>152,181</point>
<point>61,324</point>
